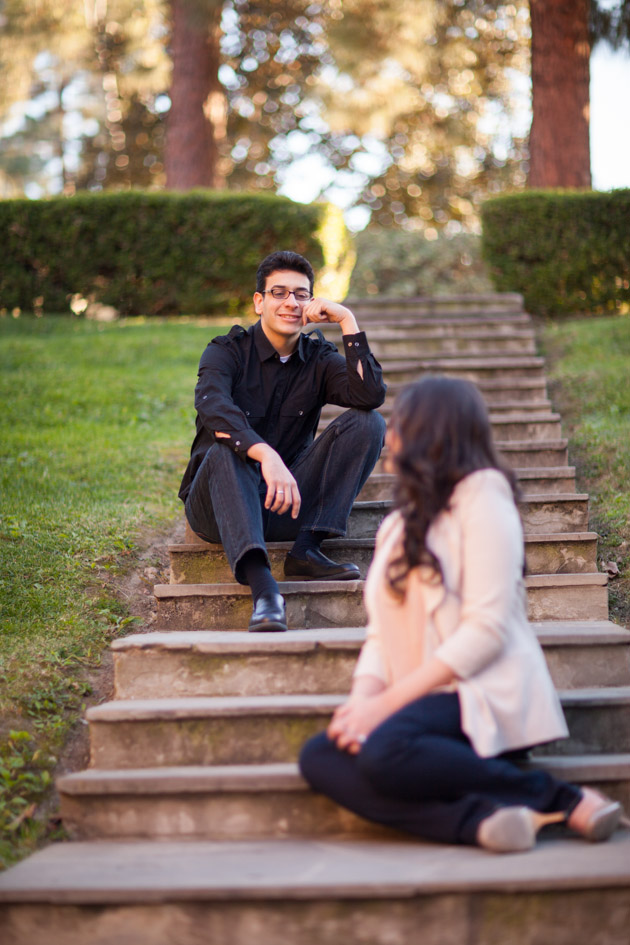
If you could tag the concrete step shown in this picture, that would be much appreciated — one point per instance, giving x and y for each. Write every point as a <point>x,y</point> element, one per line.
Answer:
<point>495,391</point>
<point>520,454</point>
<point>509,305</point>
<point>317,891</point>
<point>498,390</point>
<point>263,729</point>
<point>567,596</point>
<point>450,327</point>
<point>229,606</point>
<point>340,603</point>
<point>541,427</point>
<point>549,480</point>
<point>559,512</point>
<point>460,344</point>
<point>561,553</point>
<point>203,563</point>
<point>471,369</point>
<point>598,721</point>
<point>498,406</point>
<point>454,334</point>
<point>508,407</point>
<point>247,802</point>
<point>310,662</point>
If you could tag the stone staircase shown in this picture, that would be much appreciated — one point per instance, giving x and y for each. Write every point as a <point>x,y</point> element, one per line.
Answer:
<point>192,823</point>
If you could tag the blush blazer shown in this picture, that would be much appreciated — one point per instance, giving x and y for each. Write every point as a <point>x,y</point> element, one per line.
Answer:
<point>474,618</point>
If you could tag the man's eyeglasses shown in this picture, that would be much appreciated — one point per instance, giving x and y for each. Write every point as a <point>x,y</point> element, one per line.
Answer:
<point>281,292</point>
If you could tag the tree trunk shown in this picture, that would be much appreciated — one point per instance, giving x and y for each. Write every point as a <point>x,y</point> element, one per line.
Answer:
<point>559,139</point>
<point>197,119</point>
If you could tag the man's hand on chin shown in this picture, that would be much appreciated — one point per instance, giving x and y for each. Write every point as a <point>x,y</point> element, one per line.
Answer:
<point>323,310</point>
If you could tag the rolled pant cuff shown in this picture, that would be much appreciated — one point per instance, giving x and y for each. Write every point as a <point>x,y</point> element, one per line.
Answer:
<point>251,547</point>
<point>330,529</point>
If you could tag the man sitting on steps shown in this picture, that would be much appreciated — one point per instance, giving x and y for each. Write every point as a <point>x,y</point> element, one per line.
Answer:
<point>256,471</point>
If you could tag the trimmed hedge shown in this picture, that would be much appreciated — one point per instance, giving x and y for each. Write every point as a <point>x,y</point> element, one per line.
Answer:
<point>161,253</point>
<point>568,252</point>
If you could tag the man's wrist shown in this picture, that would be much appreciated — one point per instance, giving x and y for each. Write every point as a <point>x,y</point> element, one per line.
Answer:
<point>258,450</point>
<point>348,324</point>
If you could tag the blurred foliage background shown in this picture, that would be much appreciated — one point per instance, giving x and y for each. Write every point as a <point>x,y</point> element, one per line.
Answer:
<point>405,103</point>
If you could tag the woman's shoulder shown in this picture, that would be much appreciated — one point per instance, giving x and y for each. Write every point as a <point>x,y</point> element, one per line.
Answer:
<point>482,481</point>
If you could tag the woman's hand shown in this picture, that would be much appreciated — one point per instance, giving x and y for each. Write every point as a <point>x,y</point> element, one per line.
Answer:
<point>364,711</point>
<point>353,721</point>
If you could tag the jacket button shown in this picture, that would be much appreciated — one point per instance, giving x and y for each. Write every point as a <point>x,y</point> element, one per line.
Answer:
<point>301,414</point>
<point>238,442</point>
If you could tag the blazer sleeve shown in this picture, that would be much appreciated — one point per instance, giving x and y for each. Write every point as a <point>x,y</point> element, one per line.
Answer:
<point>344,385</point>
<point>370,662</point>
<point>491,569</point>
<point>214,403</point>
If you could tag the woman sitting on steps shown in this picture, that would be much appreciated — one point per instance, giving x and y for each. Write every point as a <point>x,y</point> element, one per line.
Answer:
<point>451,680</point>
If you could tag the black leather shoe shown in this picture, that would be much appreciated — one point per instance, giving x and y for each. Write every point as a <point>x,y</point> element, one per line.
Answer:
<point>269,614</point>
<point>317,566</point>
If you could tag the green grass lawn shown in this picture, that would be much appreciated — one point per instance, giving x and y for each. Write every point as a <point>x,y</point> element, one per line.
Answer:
<point>95,428</point>
<point>588,363</point>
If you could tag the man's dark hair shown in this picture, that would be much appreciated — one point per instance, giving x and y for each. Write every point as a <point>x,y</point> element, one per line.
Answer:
<point>283,259</point>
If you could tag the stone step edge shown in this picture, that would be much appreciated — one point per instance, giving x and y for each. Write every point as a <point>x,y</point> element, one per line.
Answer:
<point>530,446</point>
<point>196,707</point>
<point>515,331</point>
<point>542,472</point>
<point>405,318</point>
<point>258,779</point>
<point>486,362</point>
<point>515,298</point>
<point>165,591</point>
<point>490,383</point>
<point>496,419</point>
<point>571,633</point>
<point>527,499</point>
<point>103,873</point>
<point>358,543</point>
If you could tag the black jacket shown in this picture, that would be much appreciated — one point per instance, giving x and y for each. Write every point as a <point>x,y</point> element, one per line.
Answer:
<point>245,390</point>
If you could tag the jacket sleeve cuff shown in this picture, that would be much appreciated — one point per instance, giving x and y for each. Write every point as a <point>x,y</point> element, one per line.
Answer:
<point>468,652</point>
<point>241,441</point>
<point>355,346</point>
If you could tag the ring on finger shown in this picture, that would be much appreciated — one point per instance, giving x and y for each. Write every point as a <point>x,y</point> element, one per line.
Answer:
<point>361,739</point>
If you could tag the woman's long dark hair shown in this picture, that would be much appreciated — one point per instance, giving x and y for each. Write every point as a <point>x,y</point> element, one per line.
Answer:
<point>444,434</point>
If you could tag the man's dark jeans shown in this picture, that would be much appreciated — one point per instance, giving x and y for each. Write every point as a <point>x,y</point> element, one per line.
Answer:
<point>226,500</point>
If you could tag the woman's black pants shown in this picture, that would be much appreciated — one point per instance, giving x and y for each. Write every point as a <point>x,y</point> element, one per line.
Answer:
<point>418,772</point>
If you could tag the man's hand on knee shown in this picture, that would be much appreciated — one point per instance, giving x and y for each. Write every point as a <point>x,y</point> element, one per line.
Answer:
<point>282,489</point>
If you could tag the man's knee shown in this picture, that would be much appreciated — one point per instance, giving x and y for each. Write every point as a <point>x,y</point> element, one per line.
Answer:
<point>221,459</point>
<point>369,423</point>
